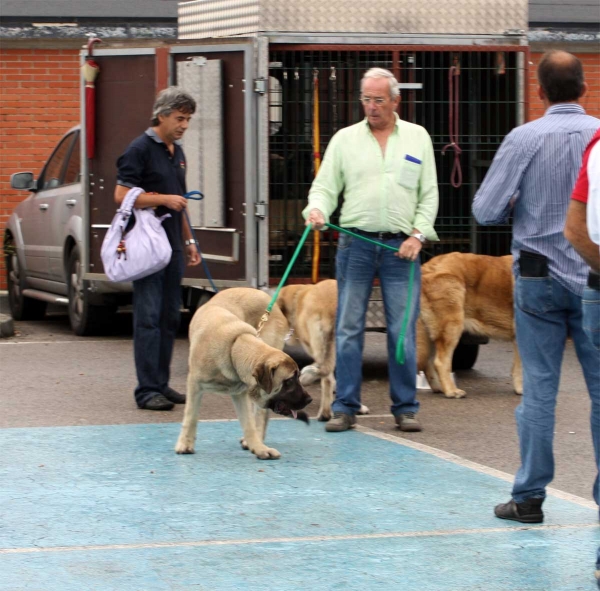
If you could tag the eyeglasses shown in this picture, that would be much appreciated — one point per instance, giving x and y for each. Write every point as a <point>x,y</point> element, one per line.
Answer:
<point>365,100</point>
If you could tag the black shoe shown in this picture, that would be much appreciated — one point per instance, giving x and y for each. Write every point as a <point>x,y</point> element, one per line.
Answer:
<point>529,511</point>
<point>158,402</point>
<point>174,396</point>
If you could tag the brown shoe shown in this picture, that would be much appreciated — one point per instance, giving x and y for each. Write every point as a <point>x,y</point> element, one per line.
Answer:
<point>529,511</point>
<point>340,422</point>
<point>408,422</point>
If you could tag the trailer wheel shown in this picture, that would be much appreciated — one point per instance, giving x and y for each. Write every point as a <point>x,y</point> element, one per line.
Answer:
<point>85,318</point>
<point>21,307</point>
<point>465,356</point>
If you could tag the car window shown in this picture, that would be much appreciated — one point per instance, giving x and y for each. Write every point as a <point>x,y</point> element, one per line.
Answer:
<point>52,175</point>
<point>72,172</point>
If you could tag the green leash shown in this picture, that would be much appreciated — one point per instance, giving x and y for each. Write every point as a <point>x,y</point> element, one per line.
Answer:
<point>400,359</point>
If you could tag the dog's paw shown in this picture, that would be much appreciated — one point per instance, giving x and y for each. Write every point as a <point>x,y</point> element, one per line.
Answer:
<point>185,446</point>
<point>309,375</point>
<point>455,394</point>
<point>244,444</point>
<point>364,410</point>
<point>324,417</point>
<point>518,392</point>
<point>266,453</point>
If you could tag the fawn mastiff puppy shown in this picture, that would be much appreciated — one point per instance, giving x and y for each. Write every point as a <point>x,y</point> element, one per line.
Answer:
<point>226,357</point>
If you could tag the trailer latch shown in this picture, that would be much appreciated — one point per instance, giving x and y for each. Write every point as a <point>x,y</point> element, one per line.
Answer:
<point>260,210</point>
<point>261,85</point>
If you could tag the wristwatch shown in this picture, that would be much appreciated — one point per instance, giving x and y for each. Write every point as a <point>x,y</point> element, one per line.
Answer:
<point>190,241</point>
<point>420,237</point>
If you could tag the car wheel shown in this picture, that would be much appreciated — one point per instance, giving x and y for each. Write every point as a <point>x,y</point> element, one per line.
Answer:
<point>21,307</point>
<point>465,356</point>
<point>85,318</point>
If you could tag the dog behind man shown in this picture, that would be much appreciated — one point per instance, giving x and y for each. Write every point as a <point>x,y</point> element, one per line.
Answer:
<point>460,292</point>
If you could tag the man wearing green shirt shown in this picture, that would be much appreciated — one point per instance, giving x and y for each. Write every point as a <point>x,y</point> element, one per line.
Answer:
<point>386,169</point>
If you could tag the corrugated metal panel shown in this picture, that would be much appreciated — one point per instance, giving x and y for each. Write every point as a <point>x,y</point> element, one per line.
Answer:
<point>142,9</point>
<point>564,11</point>
<point>218,18</point>
<point>203,141</point>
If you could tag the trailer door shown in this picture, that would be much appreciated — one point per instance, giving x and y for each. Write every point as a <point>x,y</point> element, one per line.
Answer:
<point>220,148</point>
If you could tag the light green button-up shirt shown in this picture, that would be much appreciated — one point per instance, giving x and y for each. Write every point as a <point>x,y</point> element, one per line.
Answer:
<point>395,193</point>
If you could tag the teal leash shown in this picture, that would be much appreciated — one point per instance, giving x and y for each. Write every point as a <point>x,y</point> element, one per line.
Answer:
<point>400,354</point>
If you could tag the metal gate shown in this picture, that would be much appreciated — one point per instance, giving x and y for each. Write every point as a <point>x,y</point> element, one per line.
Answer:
<point>491,101</point>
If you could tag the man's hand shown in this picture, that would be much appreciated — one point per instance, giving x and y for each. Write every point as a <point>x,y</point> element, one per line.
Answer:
<point>193,256</point>
<point>316,219</point>
<point>410,249</point>
<point>176,202</point>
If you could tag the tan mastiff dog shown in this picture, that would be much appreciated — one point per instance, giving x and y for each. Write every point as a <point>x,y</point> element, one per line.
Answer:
<point>227,357</point>
<point>310,310</point>
<point>463,292</point>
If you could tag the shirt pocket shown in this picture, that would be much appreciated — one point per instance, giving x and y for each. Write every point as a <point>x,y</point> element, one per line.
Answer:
<point>409,173</point>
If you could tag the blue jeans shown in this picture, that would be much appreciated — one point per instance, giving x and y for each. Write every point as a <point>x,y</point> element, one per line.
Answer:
<point>545,314</point>
<point>591,315</point>
<point>357,264</point>
<point>156,314</point>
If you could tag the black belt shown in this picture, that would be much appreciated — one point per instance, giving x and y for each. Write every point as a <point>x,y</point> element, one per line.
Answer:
<point>593,280</point>
<point>380,235</point>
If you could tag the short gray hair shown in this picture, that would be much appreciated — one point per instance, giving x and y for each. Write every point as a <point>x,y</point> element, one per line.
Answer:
<point>382,73</point>
<point>172,99</point>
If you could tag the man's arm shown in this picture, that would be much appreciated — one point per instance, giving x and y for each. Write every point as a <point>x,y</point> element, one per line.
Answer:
<point>494,199</point>
<point>428,203</point>
<point>576,233</point>
<point>176,202</point>
<point>327,186</point>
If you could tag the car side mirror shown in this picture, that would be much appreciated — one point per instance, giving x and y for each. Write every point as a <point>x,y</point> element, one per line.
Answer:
<point>23,181</point>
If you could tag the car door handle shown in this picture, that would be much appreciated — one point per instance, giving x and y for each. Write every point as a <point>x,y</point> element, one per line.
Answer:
<point>43,206</point>
<point>71,202</point>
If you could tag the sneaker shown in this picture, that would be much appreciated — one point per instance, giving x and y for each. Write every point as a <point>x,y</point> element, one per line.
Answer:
<point>529,511</point>
<point>158,402</point>
<point>174,396</point>
<point>340,422</point>
<point>408,422</point>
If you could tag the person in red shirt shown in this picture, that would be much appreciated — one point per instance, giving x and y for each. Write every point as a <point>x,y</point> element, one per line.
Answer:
<point>583,232</point>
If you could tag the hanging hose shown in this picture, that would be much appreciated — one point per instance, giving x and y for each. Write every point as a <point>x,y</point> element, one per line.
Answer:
<point>453,124</point>
<point>317,160</point>
<point>197,196</point>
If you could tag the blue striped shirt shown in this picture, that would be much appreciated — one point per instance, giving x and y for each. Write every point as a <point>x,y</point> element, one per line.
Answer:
<point>537,165</point>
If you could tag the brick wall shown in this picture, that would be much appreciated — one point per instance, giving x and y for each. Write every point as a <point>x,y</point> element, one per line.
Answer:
<point>39,101</point>
<point>591,68</point>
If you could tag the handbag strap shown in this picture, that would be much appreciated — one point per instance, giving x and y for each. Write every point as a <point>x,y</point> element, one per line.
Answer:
<point>129,201</point>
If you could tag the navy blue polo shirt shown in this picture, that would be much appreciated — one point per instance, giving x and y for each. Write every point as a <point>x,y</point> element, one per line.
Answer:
<point>147,163</point>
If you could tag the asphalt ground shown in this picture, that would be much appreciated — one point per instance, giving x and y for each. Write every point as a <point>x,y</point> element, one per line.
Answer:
<point>49,377</point>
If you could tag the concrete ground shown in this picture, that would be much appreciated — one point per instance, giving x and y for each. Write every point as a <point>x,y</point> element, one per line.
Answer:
<point>97,498</point>
<point>51,378</point>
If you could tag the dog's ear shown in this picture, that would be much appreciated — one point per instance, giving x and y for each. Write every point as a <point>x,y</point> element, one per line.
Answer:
<point>264,374</point>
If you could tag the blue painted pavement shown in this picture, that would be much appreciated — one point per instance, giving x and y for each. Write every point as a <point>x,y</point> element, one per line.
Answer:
<point>114,508</point>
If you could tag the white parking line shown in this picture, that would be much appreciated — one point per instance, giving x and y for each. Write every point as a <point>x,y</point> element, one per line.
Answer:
<point>444,455</point>
<point>299,539</point>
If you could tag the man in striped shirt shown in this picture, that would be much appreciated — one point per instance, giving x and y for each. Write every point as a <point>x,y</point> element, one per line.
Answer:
<point>532,177</point>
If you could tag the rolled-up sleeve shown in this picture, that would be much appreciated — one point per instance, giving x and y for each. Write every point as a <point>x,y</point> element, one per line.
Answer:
<point>428,196</point>
<point>492,203</point>
<point>328,184</point>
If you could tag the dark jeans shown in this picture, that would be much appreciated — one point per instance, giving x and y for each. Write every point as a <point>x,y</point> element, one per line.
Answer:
<point>156,314</point>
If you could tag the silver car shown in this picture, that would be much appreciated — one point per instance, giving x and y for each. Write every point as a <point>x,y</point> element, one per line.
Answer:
<point>44,240</point>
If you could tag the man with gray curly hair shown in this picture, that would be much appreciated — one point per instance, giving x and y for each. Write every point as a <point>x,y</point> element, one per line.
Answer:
<point>155,162</point>
<point>385,167</point>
